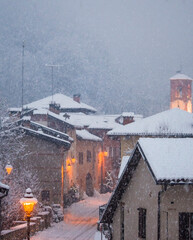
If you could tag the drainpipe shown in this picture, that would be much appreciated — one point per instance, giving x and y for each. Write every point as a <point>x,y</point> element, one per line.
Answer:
<point>101,231</point>
<point>164,188</point>
<point>110,232</point>
<point>110,237</point>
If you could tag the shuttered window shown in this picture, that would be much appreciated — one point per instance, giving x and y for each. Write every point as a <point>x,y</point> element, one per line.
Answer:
<point>185,226</point>
<point>80,157</point>
<point>142,223</point>
<point>45,194</point>
<point>88,156</point>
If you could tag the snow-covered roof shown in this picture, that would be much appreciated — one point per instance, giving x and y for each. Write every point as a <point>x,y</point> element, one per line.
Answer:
<point>124,161</point>
<point>127,114</point>
<point>3,186</point>
<point>81,120</point>
<point>64,101</point>
<point>104,122</point>
<point>26,118</point>
<point>56,132</point>
<point>46,136</point>
<point>170,161</point>
<point>180,76</point>
<point>169,158</point>
<point>14,109</point>
<point>170,122</point>
<point>3,190</point>
<point>85,135</point>
<point>40,111</point>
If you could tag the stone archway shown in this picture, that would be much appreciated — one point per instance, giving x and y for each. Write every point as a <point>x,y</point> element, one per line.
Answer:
<point>89,185</point>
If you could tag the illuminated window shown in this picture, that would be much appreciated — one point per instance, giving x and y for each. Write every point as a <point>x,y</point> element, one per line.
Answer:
<point>88,156</point>
<point>80,157</point>
<point>45,194</point>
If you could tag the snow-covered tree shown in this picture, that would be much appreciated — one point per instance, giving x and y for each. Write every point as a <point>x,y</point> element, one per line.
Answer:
<point>109,180</point>
<point>12,149</point>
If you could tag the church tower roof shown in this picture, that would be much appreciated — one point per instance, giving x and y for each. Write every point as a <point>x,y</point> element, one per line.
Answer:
<point>180,76</point>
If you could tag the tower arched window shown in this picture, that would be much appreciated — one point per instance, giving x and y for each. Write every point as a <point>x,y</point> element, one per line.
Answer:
<point>179,92</point>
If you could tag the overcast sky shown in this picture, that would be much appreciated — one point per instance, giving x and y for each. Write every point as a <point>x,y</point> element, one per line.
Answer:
<point>119,54</point>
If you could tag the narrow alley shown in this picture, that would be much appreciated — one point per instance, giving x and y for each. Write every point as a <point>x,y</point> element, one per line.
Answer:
<point>80,221</point>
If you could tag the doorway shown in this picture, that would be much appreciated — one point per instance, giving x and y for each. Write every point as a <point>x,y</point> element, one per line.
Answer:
<point>89,185</point>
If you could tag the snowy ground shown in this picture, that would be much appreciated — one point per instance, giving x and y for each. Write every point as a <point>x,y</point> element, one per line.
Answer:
<point>79,221</point>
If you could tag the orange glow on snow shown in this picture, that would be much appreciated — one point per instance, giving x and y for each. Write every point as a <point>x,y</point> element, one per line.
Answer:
<point>73,219</point>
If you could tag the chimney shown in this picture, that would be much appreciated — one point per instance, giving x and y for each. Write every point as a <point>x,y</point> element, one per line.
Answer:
<point>54,107</point>
<point>76,98</point>
<point>125,118</point>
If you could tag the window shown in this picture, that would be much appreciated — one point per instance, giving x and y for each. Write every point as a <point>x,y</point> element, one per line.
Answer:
<point>80,157</point>
<point>185,226</point>
<point>142,223</point>
<point>122,221</point>
<point>94,154</point>
<point>88,156</point>
<point>179,92</point>
<point>45,194</point>
<point>110,152</point>
<point>114,152</point>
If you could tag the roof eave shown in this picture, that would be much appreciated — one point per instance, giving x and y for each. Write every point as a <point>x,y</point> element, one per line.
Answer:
<point>51,139</point>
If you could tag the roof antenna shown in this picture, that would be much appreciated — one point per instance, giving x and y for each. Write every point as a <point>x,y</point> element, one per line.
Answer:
<point>23,45</point>
<point>180,70</point>
<point>52,66</point>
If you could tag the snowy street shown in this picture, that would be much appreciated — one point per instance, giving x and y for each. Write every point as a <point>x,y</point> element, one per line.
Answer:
<point>79,221</point>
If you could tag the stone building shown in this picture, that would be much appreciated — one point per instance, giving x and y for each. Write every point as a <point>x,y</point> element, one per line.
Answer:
<point>73,117</point>
<point>45,152</point>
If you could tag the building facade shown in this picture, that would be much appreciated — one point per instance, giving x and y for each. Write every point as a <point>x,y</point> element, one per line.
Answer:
<point>181,92</point>
<point>152,201</point>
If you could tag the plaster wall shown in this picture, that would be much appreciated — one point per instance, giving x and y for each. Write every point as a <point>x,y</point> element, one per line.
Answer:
<point>93,167</point>
<point>44,159</point>
<point>175,200</point>
<point>140,193</point>
<point>127,144</point>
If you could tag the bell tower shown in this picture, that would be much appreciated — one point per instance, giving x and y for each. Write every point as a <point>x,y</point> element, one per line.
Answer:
<point>181,92</point>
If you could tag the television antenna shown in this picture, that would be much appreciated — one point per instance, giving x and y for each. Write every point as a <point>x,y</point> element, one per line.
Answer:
<point>52,66</point>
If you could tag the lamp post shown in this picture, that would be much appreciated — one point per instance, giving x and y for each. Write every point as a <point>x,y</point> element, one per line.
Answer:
<point>28,203</point>
<point>4,189</point>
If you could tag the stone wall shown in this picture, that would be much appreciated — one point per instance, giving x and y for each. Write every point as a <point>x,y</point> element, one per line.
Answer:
<point>19,232</point>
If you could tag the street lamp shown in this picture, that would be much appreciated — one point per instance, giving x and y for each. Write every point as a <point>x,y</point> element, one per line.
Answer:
<point>28,203</point>
<point>4,189</point>
<point>8,168</point>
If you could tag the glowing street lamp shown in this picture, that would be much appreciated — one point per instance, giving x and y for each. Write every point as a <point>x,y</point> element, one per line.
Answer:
<point>8,168</point>
<point>28,203</point>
